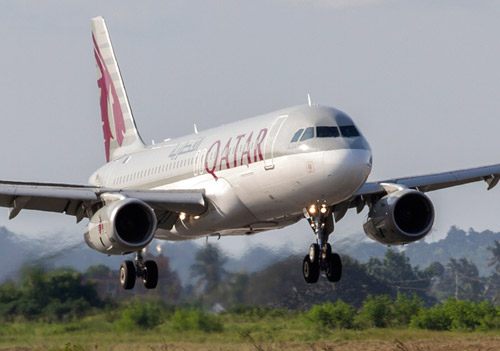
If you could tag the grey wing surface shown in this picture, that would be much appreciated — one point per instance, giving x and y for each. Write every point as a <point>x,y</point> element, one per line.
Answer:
<point>74,200</point>
<point>425,183</point>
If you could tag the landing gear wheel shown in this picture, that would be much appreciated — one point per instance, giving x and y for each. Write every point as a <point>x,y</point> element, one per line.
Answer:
<point>334,269</point>
<point>150,278</point>
<point>314,253</point>
<point>127,275</point>
<point>310,270</point>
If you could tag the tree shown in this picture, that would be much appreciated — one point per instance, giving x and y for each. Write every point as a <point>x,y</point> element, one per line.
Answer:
<point>395,269</point>
<point>208,268</point>
<point>492,284</point>
<point>460,280</point>
<point>281,285</point>
<point>236,287</point>
<point>495,256</point>
<point>377,312</point>
<point>57,295</point>
<point>99,271</point>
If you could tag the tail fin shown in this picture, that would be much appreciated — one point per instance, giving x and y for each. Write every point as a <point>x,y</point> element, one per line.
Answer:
<point>120,132</point>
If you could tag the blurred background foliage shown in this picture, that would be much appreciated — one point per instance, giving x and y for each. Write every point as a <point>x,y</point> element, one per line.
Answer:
<point>384,292</point>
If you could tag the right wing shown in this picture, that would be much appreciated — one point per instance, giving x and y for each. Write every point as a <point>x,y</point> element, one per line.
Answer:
<point>372,191</point>
<point>78,200</point>
<point>437,181</point>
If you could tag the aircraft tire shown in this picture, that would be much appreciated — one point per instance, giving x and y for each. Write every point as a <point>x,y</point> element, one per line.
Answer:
<point>310,270</point>
<point>127,275</point>
<point>334,271</point>
<point>151,278</point>
<point>314,253</point>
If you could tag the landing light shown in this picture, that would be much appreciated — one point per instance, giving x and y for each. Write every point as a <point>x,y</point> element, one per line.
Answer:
<point>182,216</point>
<point>196,217</point>
<point>323,209</point>
<point>312,209</point>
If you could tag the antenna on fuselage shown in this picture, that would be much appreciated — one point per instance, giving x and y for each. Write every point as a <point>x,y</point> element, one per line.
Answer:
<point>309,99</point>
<point>195,128</point>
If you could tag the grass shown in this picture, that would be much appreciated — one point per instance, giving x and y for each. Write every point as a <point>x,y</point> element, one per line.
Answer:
<point>268,333</point>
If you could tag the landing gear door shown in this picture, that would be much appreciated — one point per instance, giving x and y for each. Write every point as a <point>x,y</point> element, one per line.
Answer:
<point>271,140</point>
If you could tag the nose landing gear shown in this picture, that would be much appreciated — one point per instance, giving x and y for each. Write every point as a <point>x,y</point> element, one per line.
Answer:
<point>146,270</point>
<point>320,257</point>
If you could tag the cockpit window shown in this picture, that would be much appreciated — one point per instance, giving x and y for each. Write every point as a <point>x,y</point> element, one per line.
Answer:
<point>349,131</point>
<point>308,134</point>
<point>327,132</point>
<point>296,136</point>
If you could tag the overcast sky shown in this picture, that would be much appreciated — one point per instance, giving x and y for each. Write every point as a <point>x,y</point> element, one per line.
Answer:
<point>420,78</point>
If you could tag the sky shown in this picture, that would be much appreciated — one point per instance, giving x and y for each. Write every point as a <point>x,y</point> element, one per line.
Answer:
<point>420,78</point>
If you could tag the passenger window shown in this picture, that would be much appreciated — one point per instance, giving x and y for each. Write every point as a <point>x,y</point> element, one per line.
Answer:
<point>349,131</point>
<point>308,134</point>
<point>327,132</point>
<point>296,136</point>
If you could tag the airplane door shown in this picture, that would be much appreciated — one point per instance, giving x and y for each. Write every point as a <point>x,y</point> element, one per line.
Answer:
<point>271,140</point>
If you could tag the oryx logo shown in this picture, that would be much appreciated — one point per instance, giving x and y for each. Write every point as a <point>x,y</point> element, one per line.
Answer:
<point>109,104</point>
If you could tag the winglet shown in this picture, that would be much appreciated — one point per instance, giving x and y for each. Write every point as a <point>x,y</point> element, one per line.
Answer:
<point>120,132</point>
<point>492,181</point>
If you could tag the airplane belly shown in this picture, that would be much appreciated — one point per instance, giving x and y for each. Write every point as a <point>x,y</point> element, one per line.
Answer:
<point>225,213</point>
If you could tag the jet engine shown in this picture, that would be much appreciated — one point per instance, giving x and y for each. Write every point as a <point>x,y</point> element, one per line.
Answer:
<point>401,217</point>
<point>122,227</point>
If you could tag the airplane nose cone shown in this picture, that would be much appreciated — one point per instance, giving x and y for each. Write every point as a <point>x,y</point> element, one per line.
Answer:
<point>347,170</point>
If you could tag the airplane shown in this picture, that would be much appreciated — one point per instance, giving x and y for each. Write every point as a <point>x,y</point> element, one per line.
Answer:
<point>243,178</point>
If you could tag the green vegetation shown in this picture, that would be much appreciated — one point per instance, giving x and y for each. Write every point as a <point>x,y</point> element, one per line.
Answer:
<point>75,304</point>
<point>459,315</point>
<point>281,285</point>
<point>60,295</point>
<point>375,300</point>
<point>187,319</point>
<point>332,315</point>
<point>155,324</point>
<point>141,315</point>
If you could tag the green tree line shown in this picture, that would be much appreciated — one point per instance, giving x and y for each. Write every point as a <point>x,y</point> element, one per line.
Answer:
<point>281,285</point>
<point>381,293</point>
<point>380,311</point>
<point>59,295</point>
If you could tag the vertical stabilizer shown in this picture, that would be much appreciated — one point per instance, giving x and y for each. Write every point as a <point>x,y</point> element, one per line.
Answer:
<point>120,132</point>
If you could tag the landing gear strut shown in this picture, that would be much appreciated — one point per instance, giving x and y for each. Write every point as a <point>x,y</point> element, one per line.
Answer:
<point>320,257</point>
<point>146,270</point>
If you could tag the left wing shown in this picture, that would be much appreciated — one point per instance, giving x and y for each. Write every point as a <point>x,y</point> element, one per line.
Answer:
<point>372,191</point>
<point>74,200</point>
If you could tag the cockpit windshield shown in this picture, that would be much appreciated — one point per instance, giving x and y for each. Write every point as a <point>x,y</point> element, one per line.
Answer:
<point>327,132</point>
<point>308,134</point>
<point>297,135</point>
<point>348,131</point>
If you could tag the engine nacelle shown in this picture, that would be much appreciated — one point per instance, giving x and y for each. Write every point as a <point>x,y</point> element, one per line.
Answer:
<point>121,227</point>
<point>400,218</point>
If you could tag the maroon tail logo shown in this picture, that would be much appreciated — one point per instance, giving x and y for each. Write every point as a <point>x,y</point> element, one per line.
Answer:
<point>108,97</point>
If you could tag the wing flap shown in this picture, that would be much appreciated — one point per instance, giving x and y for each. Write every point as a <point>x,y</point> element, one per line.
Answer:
<point>44,197</point>
<point>188,201</point>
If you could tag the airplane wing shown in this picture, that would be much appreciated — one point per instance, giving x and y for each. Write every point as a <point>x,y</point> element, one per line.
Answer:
<point>75,199</point>
<point>371,191</point>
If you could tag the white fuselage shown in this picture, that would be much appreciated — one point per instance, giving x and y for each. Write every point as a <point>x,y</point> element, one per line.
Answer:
<point>254,175</point>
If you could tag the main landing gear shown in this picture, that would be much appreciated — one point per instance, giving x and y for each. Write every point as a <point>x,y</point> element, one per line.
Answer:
<point>320,257</point>
<point>146,270</point>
